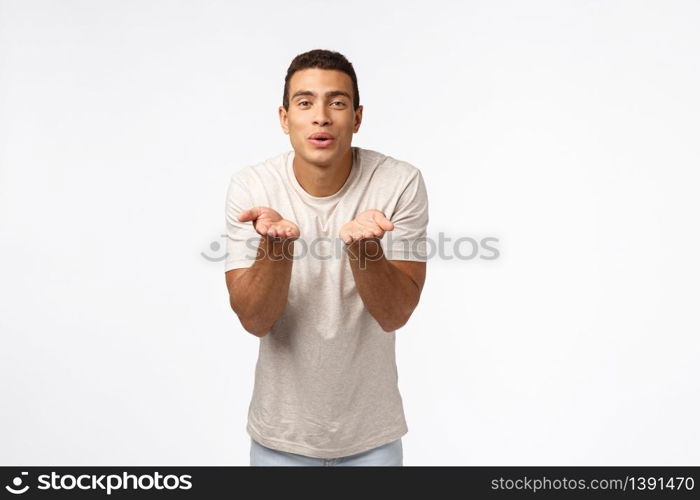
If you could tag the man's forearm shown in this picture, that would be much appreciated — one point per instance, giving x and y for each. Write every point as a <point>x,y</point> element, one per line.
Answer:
<point>260,295</point>
<point>389,294</point>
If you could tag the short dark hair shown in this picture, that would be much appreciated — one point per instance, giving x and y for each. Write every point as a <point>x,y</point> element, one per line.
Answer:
<point>322,59</point>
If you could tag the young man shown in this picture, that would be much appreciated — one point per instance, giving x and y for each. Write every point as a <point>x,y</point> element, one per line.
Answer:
<point>310,273</point>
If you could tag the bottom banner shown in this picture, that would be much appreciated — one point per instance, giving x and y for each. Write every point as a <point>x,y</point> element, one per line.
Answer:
<point>431,482</point>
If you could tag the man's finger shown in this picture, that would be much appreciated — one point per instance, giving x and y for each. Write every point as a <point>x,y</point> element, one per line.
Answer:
<point>383,222</point>
<point>244,216</point>
<point>249,214</point>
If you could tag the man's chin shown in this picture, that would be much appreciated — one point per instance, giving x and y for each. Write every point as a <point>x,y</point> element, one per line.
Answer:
<point>320,157</point>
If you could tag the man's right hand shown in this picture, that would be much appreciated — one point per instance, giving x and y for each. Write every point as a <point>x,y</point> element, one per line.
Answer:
<point>258,294</point>
<point>268,222</point>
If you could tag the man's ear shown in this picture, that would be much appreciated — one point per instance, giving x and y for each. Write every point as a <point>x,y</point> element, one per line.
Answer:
<point>283,119</point>
<point>358,118</point>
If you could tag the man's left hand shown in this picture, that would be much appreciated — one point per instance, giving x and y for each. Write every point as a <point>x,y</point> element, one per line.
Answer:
<point>369,224</point>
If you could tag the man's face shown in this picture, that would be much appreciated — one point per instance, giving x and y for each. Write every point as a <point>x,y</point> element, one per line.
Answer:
<point>320,102</point>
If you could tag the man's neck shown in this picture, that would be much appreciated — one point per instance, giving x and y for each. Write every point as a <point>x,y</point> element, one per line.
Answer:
<point>322,180</point>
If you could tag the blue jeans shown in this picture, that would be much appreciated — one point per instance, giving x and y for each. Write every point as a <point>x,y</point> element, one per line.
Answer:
<point>389,454</point>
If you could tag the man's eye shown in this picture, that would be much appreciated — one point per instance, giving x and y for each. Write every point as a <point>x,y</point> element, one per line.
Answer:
<point>302,102</point>
<point>339,102</point>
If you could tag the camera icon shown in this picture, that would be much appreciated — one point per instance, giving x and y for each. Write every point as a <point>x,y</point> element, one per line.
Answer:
<point>215,246</point>
<point>17,482</point>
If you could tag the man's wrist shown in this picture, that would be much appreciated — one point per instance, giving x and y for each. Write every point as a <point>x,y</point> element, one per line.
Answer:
<point>364,249</point>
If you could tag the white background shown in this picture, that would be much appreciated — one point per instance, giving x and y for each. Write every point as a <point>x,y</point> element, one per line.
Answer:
<point>567,130</point>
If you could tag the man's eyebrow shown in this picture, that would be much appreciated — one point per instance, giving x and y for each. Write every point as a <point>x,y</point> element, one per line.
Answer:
<point>330,93</point>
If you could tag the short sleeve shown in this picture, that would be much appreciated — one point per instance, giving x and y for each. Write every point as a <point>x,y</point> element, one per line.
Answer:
<point>407,241</point>
<point>242,240</point>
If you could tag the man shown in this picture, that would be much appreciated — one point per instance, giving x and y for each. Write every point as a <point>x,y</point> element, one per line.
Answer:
<point>326,311</point>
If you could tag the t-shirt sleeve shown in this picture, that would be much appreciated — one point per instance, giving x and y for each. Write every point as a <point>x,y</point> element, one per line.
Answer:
<point>407,241</point>
<point>242,240</point>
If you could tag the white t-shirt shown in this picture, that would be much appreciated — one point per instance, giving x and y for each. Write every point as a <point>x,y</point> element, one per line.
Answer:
<point>326,381</point>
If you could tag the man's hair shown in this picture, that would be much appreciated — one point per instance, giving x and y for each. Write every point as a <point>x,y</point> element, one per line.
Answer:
<point>322,59</point>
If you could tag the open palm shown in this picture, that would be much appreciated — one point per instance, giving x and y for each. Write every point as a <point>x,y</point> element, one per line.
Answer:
<point>268,222</point>
<point>369,224</point>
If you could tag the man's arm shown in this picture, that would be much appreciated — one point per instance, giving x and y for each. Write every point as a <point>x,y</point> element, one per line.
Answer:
<point>258,294</point>
<point>389,289</point>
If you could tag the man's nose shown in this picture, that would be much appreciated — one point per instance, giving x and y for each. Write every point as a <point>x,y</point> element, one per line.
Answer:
<point>322,117</point>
